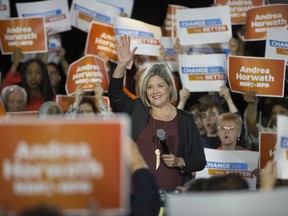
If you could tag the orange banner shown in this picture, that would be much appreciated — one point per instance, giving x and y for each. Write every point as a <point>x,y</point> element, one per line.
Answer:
<point>264,76</point>
<point>64,164</point>
<point>259,19</point>
<point>101,40</point>
<point>26,33</point>
<point>267,143</point>
<point>87,71</point>
<point>243,173</point>
<point>65,101</point>
<point>238,8</point>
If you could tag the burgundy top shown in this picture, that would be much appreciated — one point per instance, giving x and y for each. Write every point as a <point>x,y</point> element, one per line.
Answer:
<point>167,178</point>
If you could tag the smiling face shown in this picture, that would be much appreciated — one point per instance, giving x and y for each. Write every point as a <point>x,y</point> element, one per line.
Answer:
<point>158,91</point>
<point>33,76</point>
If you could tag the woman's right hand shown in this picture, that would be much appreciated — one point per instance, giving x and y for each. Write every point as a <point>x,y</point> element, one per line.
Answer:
<point>123,50</point>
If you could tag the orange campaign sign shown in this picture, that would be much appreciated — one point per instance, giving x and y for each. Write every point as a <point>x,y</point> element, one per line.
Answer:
<point>264,76</point>
<point>65,101</point>
<point>65,164</point>
<point>87,71</point>
<point>267,143</point>
<point>238,8</point>
<point>259,19</point>
<point>26,33</point>
<point>101,40</point>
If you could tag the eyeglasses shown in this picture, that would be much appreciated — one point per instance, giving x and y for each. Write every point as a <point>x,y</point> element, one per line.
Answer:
<point>226,128</point>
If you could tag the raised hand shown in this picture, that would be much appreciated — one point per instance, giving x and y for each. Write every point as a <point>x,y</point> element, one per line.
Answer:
<point>123,50</point>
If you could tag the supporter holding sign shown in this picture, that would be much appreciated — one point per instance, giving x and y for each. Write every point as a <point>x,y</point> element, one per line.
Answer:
<point>259,19</point>
<point>277,44</point>
<point>101,40</point>
<point>238,8</point>
<point>143,35</point>
<point>82,12</point>
<point>29,34</point>
<point>86,71</point>
<point>55,13</point>
<point>264,76</point>
<point>198,74</point>
<point>203,25</point>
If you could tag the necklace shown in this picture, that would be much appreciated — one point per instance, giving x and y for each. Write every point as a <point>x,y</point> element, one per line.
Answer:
<point>157,150</point>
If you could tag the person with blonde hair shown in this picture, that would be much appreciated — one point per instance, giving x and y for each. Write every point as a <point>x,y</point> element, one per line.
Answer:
<point>153,112</point>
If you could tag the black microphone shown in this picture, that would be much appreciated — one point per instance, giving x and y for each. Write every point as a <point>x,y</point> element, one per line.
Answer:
<point>161,137</point>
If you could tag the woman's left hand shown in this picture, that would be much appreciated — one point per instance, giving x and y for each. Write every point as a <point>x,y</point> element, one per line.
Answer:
<point>170,160</point>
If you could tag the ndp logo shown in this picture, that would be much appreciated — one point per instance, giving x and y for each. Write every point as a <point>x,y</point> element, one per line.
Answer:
<point>284,142</point>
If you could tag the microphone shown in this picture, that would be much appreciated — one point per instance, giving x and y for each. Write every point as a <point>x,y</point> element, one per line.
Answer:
<point>161,137</point>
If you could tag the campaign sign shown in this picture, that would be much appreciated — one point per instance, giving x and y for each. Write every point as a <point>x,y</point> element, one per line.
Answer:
<point>267,144</point>
<point>29,34</point>
<point>264,76</point>
<point>222,162</point>
<point>87,71</point>
<point>203,25</point>
<point>65,101</point>
<point>259,19</point>
<point>238,8</point>
<point>64,163</point>
<point>277,44</point>
<point>281,156</point>
<point>144,36</point>
<point>198,74</point>
<point>101,41</point>
<point>55,13</point>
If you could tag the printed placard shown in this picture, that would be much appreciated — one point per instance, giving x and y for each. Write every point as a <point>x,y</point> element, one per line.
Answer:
<point>55,12</point>
<point>259,19</point>
<point>83,12</point>
<point>169,28</point>
<point>281,156</point>
<point>29,34</point>
<point>4,9</point>
<point>143,35</point>
<point>65,101</point>
<point>125,6</point>
<point>221,162</point>
<point>277,44</point>
<point>264,76</point>
<point>267,144</point>
<point>203,25</point>
<point>74,162</point>
<point>238,8</point>
<point>87,71</point>
<point>101,40</point>
<point>198,75</point>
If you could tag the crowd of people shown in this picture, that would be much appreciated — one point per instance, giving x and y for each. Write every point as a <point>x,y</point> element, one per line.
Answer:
<point>154,99</point>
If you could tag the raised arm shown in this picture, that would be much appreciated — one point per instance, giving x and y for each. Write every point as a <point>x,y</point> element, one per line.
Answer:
<point>250,98</point>
<point>124,56</point>
<point>225,93</point>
